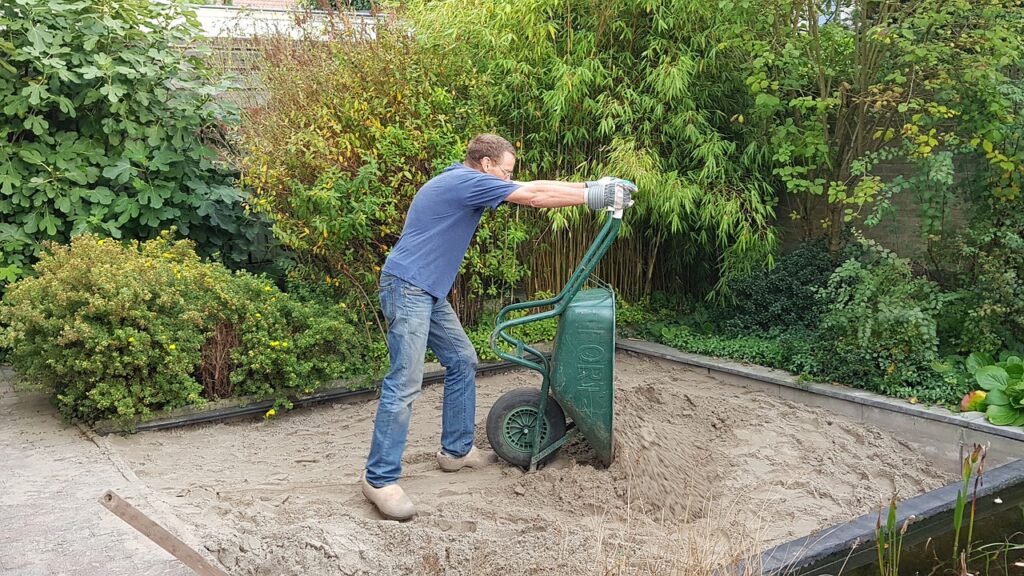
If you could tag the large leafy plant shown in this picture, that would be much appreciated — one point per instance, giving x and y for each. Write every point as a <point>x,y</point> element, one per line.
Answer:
<point>106,126</point>
<point>1004,383</point>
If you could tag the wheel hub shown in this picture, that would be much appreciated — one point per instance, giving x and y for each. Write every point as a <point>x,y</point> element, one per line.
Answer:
<point>518,427</point>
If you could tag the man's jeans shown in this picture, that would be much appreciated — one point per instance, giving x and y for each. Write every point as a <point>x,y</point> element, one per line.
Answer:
<point>417,320</point>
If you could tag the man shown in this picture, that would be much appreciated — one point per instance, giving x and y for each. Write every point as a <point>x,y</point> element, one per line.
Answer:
<point>414,285</point>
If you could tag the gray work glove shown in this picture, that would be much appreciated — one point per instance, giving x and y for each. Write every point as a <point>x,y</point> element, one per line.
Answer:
<point>609,193</point>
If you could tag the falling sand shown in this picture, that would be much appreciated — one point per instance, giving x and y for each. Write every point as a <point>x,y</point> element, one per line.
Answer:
<point>705,472</point>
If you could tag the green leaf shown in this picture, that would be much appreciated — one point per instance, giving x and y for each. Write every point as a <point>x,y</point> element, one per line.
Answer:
<point>37,124</point>
<point>63,203</point>
<point>40,38</point>
<point>113,92</point>
<point>119,172</point>
<point>49,224</point>
<point>991,377</point>
<point>66,106</point>
<point>1001,415</point>
<point>101,195</point>
<point>36,93</point>
<point>16,106</point>
<point>997,398</point>
<point>90,72</point>
<point>765,100</point>
<point>31,155</point>
<point>977,360</point>
<point>1014,371</point>
<point>162,159</point>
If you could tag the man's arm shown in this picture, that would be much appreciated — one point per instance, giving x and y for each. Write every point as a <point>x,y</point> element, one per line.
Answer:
<point>554,182</point>
<point>549,194</point>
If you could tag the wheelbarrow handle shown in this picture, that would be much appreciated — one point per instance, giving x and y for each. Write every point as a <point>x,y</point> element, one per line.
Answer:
<point>586,266</point>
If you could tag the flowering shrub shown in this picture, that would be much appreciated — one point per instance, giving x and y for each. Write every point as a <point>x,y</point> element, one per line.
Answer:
<point>117,330</point>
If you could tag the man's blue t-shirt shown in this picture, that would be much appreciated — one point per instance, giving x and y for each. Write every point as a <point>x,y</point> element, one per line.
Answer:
<point>440,224</point>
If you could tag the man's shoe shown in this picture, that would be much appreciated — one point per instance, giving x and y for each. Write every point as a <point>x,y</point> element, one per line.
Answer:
<point>390,500</point>
<point>476,458</point>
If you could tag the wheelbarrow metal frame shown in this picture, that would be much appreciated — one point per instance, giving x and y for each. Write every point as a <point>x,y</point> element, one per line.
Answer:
<point>528,356</point>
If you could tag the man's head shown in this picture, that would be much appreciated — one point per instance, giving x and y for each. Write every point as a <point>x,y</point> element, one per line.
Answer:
<point>491,154</point>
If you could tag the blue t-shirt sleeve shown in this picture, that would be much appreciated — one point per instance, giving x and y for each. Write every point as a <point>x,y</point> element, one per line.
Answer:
<point>486,191</point>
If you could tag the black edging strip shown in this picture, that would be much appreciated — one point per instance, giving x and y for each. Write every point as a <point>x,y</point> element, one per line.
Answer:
<point>331,395</point>
<point>833,546</point>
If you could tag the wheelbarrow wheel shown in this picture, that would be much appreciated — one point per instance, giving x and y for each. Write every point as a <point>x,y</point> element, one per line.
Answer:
<point>512,419</point>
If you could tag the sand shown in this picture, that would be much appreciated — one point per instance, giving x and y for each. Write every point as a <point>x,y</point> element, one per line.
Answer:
<point>705,471</point>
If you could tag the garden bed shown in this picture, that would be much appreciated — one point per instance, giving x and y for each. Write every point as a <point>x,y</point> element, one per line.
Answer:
<point>707,472</point>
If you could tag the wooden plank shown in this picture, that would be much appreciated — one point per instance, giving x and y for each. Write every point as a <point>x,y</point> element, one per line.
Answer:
<point>158,534</point>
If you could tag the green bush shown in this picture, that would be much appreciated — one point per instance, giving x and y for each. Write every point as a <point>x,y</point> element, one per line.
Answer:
<point>640,89</point>
<point>337,163</point>
<point>106,126</point>
<point>878,327</point>
<point>116,331</point>
<point>781,297</point>
<point>986,260</point>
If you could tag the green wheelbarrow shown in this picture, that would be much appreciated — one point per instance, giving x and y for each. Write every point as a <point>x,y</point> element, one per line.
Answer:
<point>527,426</point>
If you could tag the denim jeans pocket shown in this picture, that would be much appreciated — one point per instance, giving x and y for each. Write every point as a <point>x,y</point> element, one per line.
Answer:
<point>412,290</point>
<point>388,300</point>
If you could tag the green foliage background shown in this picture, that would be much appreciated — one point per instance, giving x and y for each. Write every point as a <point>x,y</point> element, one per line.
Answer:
<point>337,163</point>
<point>106,126</point>
<point>637,89</point>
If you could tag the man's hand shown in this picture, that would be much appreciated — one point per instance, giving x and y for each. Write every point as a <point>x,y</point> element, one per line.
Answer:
<point>623,194</point>
<point>609,192</point>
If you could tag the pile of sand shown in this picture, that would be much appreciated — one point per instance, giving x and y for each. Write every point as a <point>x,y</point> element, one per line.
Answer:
<point>702,472</point>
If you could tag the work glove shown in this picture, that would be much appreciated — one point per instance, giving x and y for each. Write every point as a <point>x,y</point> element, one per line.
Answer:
<point>609,192</point>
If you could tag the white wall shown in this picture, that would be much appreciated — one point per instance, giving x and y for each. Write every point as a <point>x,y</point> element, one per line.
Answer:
<point>235,22</point>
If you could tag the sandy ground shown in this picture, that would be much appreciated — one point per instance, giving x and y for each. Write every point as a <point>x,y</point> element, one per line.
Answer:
<point>704,471</point>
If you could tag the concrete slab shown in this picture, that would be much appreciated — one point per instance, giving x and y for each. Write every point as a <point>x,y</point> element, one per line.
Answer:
<point>50,520</point>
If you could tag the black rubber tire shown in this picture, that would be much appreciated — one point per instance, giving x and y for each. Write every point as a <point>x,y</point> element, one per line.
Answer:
<point>505,425</point>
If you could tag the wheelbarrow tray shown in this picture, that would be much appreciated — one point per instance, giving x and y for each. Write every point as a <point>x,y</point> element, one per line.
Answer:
<point>583,366</point>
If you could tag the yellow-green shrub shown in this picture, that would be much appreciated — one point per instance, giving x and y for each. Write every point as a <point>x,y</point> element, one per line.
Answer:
<point>349,132</point>
<point>117,330</point>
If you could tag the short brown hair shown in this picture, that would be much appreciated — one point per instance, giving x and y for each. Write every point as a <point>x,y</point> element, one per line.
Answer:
<point>487,146</point>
